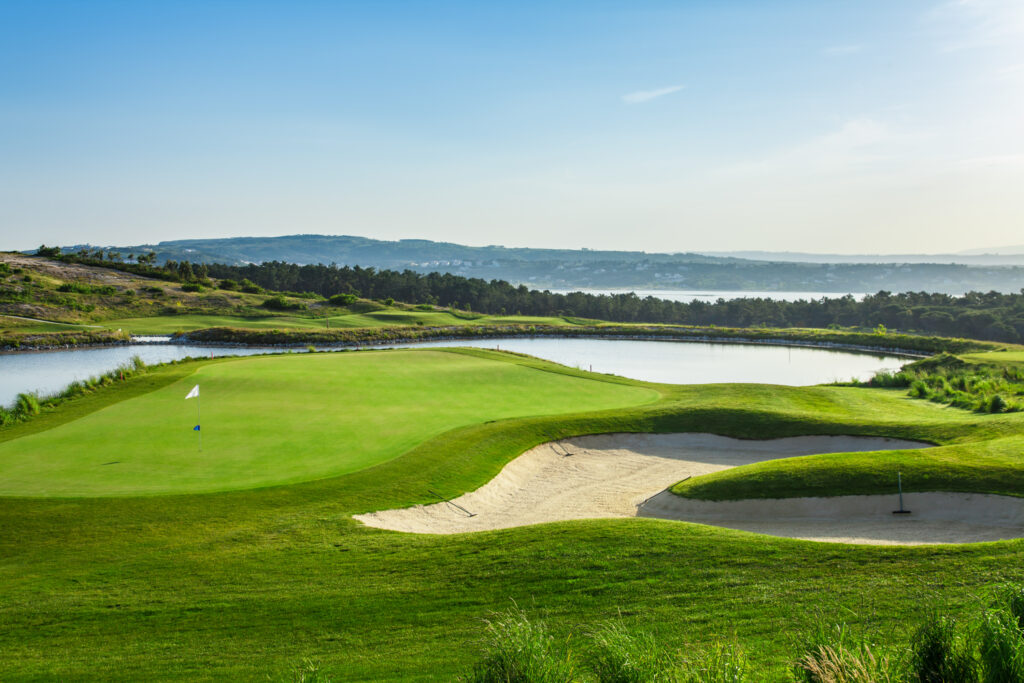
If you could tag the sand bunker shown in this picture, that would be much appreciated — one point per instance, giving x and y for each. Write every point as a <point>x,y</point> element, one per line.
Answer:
<point>934,518</point>
<point>625,475</point>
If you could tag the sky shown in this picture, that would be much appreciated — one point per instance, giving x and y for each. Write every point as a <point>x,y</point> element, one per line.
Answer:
<point>859,126</point>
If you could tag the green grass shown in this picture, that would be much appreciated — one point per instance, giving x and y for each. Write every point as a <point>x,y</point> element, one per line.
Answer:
<point>982,454</point>
<point>273,419</point>
<point>995,466</point>
<point>169,324</point>
<point>20,325</point>
<point>1000,357</point>
<point>246,584</point>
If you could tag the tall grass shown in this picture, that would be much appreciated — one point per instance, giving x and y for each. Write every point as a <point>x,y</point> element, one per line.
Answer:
<point>721,663</point>
<point>1001,636</point>
<point>985,647</point>
<point>619,655</point>
<point>518,650</point>
<point>839,664</point>
<point>1001,648</point>
<point>941,653</point>
<point>950,380</point>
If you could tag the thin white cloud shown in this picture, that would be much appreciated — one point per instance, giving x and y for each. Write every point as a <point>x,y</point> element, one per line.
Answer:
<point>993,161</point>
<point>857,145</point>
<point>641,96</point>
<point>842,50</point>
<point>968,24</point>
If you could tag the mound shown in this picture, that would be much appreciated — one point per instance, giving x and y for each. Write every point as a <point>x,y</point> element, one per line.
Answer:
<point>610,475</point>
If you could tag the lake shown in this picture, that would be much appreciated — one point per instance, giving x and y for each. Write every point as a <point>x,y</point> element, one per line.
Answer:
<point>654,361</point>
<point>710,296</point>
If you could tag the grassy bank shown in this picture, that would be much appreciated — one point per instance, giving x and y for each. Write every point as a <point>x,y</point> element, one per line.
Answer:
<point>485,327</point>
<point>16,340</point>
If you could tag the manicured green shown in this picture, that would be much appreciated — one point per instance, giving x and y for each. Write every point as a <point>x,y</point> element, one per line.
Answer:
<point>1000,357</point>
<point>246,584</point>
<point>278,419</point>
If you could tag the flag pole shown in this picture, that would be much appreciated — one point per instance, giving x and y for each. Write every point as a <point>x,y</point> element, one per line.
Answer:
<point>199,422</point>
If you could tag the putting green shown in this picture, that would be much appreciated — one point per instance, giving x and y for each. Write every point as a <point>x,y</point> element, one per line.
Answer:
<point>283,419</point>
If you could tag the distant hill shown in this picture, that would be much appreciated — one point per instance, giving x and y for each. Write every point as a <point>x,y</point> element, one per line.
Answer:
<point>975,257</point>
<point>591,269</point>
<point>1017,250</point>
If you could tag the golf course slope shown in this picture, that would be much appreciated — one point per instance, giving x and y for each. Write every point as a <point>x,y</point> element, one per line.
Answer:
<point>128,555</point>
<point>625,475</point>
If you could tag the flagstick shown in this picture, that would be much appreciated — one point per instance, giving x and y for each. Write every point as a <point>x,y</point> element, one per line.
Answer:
<point>199,422</point>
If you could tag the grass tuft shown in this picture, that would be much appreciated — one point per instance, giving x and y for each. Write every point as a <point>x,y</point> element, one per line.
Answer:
<point>518,650</point>
<point>722,663</point>
<point>939,653</point>
<point>618,655</point>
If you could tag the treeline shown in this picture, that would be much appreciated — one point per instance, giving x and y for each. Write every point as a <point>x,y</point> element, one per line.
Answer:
<point>992,316</point>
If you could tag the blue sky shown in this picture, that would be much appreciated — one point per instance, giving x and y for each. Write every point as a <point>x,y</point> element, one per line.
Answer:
<point>666,126</point>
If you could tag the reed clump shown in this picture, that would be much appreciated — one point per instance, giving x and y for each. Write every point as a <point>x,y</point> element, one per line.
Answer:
<point>30,404</point>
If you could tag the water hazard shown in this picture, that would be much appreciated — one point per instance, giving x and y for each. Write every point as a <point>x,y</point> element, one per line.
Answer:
<point>655,361</point>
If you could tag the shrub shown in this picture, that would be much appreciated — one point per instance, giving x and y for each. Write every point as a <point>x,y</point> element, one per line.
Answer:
<point>74,287</point>
<point>939,655</point>
<point>80,288</point>
<point>521,651</point>
<point>996,404</point>
<point>343,299</point>
<point>228,284</point>
<point>619,656</point>
<point>279,303</point>
<point>250,287</point>
<point>919,389</point>
<point>191,287</point>
<point>389,301</point>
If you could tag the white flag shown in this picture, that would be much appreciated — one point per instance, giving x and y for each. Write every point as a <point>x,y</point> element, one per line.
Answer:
<point>194,393</point>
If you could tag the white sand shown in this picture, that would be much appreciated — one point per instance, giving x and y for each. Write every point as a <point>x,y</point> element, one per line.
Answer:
<point>625,475</point>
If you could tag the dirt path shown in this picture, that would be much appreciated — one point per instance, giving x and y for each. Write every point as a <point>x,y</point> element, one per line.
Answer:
<point>625,475</point>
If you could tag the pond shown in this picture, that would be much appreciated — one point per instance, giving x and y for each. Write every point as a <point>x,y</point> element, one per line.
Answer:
<point>655,361</point>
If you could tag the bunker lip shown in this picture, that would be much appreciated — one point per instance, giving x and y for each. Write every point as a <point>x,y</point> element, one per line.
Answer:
<point>626,475</point>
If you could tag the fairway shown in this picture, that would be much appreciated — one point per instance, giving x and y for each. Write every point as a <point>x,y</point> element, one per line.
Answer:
<point>284,419</point>
<point>170,324</point>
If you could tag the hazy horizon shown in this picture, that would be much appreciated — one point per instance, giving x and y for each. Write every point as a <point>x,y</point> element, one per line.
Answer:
<point>854,128</point>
